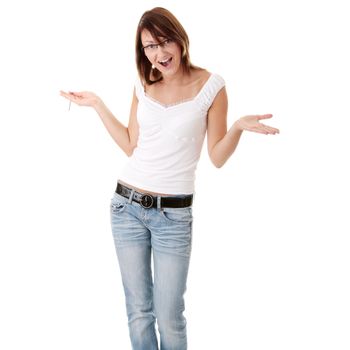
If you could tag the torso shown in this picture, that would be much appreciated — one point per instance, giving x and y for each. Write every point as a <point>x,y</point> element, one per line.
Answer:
<point>160,92</point>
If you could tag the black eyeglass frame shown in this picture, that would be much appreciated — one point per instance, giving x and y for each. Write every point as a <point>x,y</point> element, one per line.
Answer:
<point>159,44</point>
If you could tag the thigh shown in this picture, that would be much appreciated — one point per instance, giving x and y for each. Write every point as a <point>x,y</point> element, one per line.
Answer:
<point>127,228</point>
<point>170,283</point>
<point>172,244</point>
<point>171,230</point>
<point>132,241</point>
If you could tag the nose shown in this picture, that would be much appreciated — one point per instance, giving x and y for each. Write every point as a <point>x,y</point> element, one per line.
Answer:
<point>161,47</point>
<point>161,51</point>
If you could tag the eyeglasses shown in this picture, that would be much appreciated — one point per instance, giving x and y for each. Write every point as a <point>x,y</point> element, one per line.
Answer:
<point>154,47</point>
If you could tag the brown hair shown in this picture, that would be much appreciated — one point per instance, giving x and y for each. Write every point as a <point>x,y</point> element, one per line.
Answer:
<point>160,23</point>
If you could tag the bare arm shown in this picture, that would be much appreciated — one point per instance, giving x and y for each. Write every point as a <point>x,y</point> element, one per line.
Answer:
<point>222,143</point>
<point>125,137</point>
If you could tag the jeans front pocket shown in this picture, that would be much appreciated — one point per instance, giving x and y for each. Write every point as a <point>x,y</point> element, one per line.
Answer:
<point>179,215</point>
<point>118,203</point>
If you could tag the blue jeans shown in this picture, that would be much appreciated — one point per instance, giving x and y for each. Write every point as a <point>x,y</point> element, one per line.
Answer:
<point>167,232</point>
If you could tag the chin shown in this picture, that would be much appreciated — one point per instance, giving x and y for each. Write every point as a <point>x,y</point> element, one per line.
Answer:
<point>170,72</point>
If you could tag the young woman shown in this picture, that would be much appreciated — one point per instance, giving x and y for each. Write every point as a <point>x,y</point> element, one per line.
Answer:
<point>174,105</point>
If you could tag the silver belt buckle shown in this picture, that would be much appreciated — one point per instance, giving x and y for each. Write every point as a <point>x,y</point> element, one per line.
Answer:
<point>146,201</point>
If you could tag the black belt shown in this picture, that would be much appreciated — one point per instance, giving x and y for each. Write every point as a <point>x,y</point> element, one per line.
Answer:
<point>150,201</point>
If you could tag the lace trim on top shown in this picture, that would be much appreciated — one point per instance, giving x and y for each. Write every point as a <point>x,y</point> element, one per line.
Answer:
<point>177,102</point>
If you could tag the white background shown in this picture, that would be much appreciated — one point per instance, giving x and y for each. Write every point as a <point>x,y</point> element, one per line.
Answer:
<point>270,259</point>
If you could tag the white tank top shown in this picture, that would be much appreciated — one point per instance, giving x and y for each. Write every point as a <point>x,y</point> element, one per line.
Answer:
<point>170,140</point>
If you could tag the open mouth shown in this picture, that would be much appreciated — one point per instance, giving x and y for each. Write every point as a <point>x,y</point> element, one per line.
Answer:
<point>165,63</point>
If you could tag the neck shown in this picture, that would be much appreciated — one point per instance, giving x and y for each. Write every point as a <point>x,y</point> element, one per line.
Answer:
<point>176,79</point>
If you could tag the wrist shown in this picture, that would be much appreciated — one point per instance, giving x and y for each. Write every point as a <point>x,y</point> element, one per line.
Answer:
<point>97,104</point>
<point>237,125</point>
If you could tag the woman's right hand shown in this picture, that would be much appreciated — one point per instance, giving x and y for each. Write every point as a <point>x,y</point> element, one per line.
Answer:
<point>83,98</point>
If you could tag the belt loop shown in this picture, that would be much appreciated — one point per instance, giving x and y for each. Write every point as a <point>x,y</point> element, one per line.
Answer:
<point>158,202</point>
<point>131,195</point>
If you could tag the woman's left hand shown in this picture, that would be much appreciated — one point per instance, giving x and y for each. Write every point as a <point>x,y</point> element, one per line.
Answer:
<point>251,123</point>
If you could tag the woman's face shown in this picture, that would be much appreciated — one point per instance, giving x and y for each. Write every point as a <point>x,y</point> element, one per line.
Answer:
<point>164,53</point>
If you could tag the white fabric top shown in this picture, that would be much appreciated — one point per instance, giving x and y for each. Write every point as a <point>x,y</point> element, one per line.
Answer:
<point>170,140</point>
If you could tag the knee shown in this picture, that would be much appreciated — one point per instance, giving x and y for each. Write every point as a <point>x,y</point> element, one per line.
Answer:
<point>171,323</point>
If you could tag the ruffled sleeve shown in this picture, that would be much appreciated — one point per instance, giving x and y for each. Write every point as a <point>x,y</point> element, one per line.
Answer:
<point>210,90</point>
<point>138,88</point>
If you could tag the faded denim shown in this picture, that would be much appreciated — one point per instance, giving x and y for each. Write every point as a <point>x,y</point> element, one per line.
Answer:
<point>167,234</point>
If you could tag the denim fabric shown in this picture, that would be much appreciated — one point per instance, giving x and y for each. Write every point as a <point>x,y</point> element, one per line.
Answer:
<point>167,234</point>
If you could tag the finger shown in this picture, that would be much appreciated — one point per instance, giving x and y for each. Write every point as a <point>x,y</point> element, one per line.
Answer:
<point>274,130</point>
<point>75,94</point>
<point>269,129</point>
<point>259,130</point>
<point>67,95</point>
<point>264,116</point>
<point>62,93</point>
<point>266,129</point>
<point>71,97</point>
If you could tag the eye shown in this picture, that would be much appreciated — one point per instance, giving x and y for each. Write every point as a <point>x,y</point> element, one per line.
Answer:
<point>150,47</point>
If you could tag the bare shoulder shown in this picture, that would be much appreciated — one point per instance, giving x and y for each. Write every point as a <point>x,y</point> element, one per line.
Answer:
<point>201,75</point>
<point>198,78</point>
